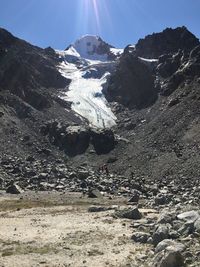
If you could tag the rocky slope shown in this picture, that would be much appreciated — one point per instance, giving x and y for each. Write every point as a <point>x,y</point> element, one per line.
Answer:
<point>153,91</point>
<point>151,151</point>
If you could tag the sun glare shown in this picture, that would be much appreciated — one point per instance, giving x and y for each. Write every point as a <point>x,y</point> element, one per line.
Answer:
<point>92,11</point>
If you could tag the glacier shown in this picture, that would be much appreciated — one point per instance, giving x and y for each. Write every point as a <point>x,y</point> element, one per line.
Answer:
<point>89,69</point>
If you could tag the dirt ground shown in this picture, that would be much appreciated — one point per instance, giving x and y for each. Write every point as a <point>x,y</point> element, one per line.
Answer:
<point>53,229</point>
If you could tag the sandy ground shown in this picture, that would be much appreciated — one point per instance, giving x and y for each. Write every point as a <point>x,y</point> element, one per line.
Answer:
<point>40,233</point>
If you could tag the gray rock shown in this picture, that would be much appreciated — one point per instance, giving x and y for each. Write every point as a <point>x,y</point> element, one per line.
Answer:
<point>133,214</point>
<point>160,200</point>
<point>197,226</point>
<point>140,237</point>
<point>161,233</point>
<point>187,228</point>
<point>97,209</point>
<point>135,197</point>
<point>192,215</point>
<point>169,243</point>
<point>82,174</point>
<point>14,189</point>
<point>166,217</point>
<point>94,193</point>
<point>169,258</point>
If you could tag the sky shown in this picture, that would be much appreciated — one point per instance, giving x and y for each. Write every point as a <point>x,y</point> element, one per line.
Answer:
<point>58,23</point>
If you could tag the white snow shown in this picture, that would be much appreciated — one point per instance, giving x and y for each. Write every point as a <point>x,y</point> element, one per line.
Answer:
<point>89,73</point>
<point>116,51</point>
<point>88,100</point>
<point>148,59</point>
<point>86,47</point>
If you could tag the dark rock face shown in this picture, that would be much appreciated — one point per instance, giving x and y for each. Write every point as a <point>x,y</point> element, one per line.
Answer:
<point>27,70</point>
<point>168,41</point>
<point>76,139</point>
<point>102,140</point>
<point>14,189</point>
<point>128,85</point>
<point>72,139</point>
<point>132,214</point>
<point>138,82</point>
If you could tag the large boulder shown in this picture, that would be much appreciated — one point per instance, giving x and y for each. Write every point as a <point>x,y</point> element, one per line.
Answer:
<point>169,243</point>
<point>171,258</point>
<point>14,189</point>
<point>189,216</point>
<point>72,139</point>
<point>161,233</point>
<point>133,214</point>
<point>140,237</point>
<point>169,254</point>
<point>102,140</point>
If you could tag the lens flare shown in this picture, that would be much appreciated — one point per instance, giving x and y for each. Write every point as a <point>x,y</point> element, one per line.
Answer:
<point>92,10</point>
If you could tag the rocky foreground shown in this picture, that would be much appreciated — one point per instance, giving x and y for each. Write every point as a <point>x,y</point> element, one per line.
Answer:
<point>112,221</point>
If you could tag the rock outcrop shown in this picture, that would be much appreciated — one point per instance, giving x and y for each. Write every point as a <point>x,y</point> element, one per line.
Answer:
<point>168,41</point>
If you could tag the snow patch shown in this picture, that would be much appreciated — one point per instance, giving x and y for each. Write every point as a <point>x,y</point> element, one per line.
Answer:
<point>148,59</point>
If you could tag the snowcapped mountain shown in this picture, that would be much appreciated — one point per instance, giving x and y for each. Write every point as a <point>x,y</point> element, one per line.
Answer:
<point>93,48</point>
<point>88,63</point>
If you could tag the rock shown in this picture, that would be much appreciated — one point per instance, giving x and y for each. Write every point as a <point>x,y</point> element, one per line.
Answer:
<point>135,197</point>
<point>127,85</point>
<point>133,214</point>
<point>166,217</point>
<point>102,140</point>
<point>187,228</point>
<point>169,258</point>
<point>169,243</point>
<point>140,237</point>
<point>197,226</point>
<point>72,139</point>
<point>14,189</point>
<point>161,233</point>
<point>168,41</point>
<point>94,193</point>
<point>192,216</point>
<point>82,174</point>
<point>160,200</point>
<point>99,209</point>
<point>1,181</point>
<point>112,159</point>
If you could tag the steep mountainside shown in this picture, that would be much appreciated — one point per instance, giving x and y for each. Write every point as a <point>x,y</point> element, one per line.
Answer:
<point>55,105</point>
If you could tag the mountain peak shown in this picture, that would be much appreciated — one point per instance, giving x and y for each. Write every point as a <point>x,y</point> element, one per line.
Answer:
<point>92,47</point>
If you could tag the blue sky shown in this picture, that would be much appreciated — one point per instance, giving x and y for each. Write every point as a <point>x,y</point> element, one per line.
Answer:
<point>57,23</point>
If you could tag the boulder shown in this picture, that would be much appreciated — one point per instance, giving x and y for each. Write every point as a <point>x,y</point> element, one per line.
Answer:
<point>197,226</point>
<point>98,209</point>
<point>140,237</point>
<point>191,216</point>
<point>133,214</point>
<point>135,197</point>
<point>160,200</point>
<point>102,140</point>
<point>169,258</point>
<point>14,189</point>
<point>161,233</point>
<point>94,193</point>
<point>169,243</point>
<point>166,217</point>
